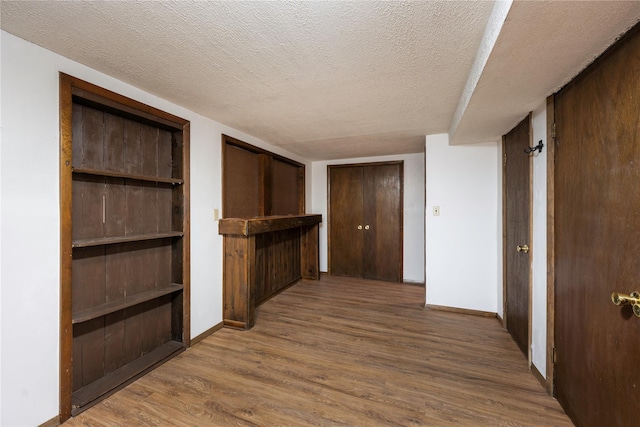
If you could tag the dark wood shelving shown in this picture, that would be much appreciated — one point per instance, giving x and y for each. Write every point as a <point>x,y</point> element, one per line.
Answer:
<point>124,198</point>
<point>130,301</point>
<point>116,174</point>
<point>119,378</point>
<point>83,243</point>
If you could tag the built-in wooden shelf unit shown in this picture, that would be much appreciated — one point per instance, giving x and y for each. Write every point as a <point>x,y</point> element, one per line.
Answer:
<point>124,197</point>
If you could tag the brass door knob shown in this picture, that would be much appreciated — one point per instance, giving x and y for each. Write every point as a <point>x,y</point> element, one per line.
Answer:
<point>523,248</point>
<point>359,227</point>
<point>632,299</point>
<point>366,227</point>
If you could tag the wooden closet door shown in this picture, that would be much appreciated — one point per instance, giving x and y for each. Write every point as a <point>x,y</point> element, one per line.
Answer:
<point>346,231</point>
<point>517,220</point>
<point>597,239</point>
<point>365,232</point>
<point>382,187</point>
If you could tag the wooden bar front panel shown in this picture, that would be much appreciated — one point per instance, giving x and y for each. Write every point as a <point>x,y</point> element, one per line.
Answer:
<point>262,257</point>
<point>239,281</point>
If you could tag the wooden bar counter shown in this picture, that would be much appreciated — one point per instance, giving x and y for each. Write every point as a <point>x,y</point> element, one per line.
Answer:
<point>262,257</point>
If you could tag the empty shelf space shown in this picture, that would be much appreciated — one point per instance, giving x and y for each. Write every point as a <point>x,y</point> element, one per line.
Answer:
<point>116,174</point>
<point>113,306</point>
<point>120,377</point>
<point>83,243</point>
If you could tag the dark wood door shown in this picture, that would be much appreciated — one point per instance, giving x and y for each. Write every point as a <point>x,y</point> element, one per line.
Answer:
<point>597,235</point>
<point>346,213</point>
<point>383,222</point>
<point>517,218</point>
<point>365,214</point>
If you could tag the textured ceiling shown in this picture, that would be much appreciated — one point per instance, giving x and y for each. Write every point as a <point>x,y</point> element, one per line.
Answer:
<point>329,80</point>
<point>541,47</point>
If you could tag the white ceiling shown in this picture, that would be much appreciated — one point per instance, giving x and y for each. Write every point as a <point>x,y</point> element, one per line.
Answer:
<point>330,80</point>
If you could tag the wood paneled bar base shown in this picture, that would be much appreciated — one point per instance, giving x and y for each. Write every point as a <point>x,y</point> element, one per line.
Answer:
<point>262,257</point>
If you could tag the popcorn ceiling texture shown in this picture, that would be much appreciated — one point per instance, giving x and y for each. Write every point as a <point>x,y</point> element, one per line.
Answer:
<point>328,80</point>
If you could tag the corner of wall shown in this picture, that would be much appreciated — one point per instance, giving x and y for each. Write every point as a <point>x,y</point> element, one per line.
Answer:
<point>461,245</point>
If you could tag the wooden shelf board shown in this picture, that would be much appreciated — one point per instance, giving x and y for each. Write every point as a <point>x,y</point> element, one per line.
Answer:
<point>116,174</point>
<point>113,306</point>
<point>83,243</point>
<point>251,226</point>
<point>120,377</point>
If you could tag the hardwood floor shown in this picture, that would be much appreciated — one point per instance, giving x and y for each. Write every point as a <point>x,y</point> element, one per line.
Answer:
<point>341,352</point>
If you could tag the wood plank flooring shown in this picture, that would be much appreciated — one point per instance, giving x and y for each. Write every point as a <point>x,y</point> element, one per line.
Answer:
<point>341,352</point>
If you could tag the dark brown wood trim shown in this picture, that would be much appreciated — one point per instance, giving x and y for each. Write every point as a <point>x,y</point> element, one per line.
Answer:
<point>302,191</point>
<point>207,333</point>
<point>351,165</point>
<point>66,328</point>
<point>504,233</point>
<point>407,282</point>
<point>266,178</point>
<point>254,149</point>
<point>551,278</point>
<point>500,319</point>
<point>533,249</point>
<point>328,179</point>
<point>106,97</point>
<point>223,155</point>
<point>536,373</point>
<point>401,219</point>
<point>53,422</point>
<point>251,226</point>
<point>462,310</point>
<point>186,245</point>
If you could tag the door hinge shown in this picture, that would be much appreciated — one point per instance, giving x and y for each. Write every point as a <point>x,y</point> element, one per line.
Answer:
<point>554,355</point>
<point>553,130</point>
<point>504,158</point>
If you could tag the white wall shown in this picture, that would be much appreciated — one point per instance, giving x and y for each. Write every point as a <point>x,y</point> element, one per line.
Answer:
<point>413,209</point>
<point>0,241</point>
<point>539,244</point>
<point>462,242</point>
<point>29,215</point>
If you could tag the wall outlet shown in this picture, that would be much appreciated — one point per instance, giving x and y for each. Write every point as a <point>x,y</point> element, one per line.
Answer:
<point>436,211</point>
<point>216,214</point>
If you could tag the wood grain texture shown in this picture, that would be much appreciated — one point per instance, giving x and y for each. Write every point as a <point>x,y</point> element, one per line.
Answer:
<point>366,220</point>
<point>517,224</point>
<point>66,251</point>
<point>251,226</point>
<point>345,208</point>
<point>241,183</point>
<point>258,265</point>
<point>383,220</point>
<point>597,238</point>
<point>257,182</point>
<point>285,194</point>
<point>551,275</point>
<point>124,190</point>
<point>337,353</point>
